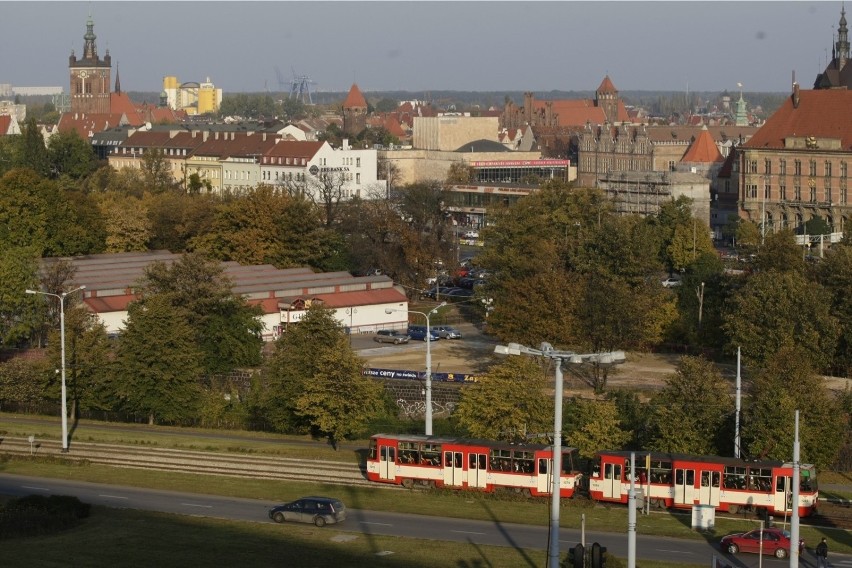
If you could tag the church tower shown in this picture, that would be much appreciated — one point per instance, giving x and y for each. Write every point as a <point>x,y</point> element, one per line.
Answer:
<point>354,112</point>
<point>841,47</point>
<point>90,76</point>
<point>606,97</point>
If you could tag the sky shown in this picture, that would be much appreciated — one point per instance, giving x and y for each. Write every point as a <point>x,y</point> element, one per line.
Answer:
<point>423,46</point>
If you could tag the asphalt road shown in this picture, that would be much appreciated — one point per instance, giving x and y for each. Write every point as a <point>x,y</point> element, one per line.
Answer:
<point>393,524</point>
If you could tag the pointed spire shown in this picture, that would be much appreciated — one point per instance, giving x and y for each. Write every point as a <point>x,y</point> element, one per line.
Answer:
<point>90,50</point>
<point>117,80</point>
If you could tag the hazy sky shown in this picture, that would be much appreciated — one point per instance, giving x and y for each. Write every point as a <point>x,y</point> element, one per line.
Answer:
<point>420,46</point>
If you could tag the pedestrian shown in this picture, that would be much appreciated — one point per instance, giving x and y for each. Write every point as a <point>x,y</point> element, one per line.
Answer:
<point>822,554</point>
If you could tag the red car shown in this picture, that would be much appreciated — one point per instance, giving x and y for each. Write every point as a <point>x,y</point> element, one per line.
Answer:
<point>775,542</point>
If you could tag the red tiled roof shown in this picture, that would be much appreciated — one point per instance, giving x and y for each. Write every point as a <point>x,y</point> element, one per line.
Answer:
<point>355,98</point>
<point>703,149</point>
<point>820,113</point>
<point>5,124</point>
<point>577,112</point>
<point>228,144</point>
<point>87,125</point>
<point>607,86</point>
<point>294,149</point>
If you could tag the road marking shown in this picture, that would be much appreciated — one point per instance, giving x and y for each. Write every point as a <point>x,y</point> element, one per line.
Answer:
<point>35,488</point>
<point>195,505</point>
<point>378,524</point>
<point>113,496</point>
<point>467,532</point>
<point>673,551</point>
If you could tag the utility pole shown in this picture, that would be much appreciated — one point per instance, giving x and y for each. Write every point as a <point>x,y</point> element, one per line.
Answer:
<point>737,417</point>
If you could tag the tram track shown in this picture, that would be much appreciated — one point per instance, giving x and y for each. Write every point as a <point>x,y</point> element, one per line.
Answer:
<point>193,461</point>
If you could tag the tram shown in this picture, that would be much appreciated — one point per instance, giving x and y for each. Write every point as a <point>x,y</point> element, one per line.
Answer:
<point>682,481</point>
<point>479,465</point>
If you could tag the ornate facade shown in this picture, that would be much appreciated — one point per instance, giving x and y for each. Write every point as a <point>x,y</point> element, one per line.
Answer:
<point>90,77</point>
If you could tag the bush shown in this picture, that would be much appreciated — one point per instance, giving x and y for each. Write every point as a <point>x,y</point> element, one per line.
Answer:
<point>35,515</point>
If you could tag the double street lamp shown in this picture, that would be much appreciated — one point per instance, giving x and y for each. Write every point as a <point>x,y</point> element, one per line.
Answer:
<point>61,298</point>
<point>428,359</point>
<point>547,350</point>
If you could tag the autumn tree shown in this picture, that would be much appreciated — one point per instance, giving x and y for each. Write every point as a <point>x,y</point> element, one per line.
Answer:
<point>784,384</point>
<point>593,425</point>
<point>779,252</point>
<point>126,221</point>
<point>267,227</point>
<point>692,413</point>
<point>315,350</point>
<point>20,314</point>
<point>778,308</point>
<point>688,243</point>
<point>32,151</point>
<point>158,363</point>
<point>178,218</point>
<point>156,171</point>
<point>509,403</point>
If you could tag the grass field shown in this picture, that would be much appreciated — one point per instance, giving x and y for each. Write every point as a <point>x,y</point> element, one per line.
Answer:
<point>438,503</point>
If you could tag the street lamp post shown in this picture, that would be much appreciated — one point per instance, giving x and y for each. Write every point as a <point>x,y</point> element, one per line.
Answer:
<point>428,359</point>
<point>61,298</point>
<point>351,311</point>
<point>547,350</point>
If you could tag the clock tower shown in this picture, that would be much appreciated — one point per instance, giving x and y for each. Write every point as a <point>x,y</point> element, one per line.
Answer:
<point>90,77</point>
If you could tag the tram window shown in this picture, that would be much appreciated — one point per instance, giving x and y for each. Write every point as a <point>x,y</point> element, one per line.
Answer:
<point>542,466</point>
<point>760,479</point>
<point>458,460</point>
<point>661,472</point>
<point>372,450</point>
<point>734,477</point>
<point>690,477</point>
<point>716,476</point>
<point>780,483</point>
<point>679,477</point>
<point>448,459</point>
<point>705,479</point>
<point>482,461</point>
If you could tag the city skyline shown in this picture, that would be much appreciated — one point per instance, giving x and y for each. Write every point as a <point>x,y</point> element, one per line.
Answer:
<point>422,46</point>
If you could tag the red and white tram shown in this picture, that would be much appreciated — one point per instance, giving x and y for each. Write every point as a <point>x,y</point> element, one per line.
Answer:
<point>457,463</point>
<point>681,481</point>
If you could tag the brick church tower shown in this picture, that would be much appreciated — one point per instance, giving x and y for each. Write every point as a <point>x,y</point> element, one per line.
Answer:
<point>90,77</point>
<point>354,112</point>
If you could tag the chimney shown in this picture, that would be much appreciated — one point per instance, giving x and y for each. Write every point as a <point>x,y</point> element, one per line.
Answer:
<point>795,95</point>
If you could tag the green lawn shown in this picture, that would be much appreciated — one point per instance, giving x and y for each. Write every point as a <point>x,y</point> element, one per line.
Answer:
<point>114,537</point>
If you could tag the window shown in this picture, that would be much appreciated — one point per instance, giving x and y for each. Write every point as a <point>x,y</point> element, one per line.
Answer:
<point>843,169</point>
<point>671,165</point>
<point>813,194</point>
<point>767,190</point>
<point>797,189</point>
<point>358,162</point>
<point>782,167</point>
<point>767,166</point>
<point>797,167</point>
<point>783,190</point>
<point>827,169</point>
<point>358,178</point>
<point>812,168</point>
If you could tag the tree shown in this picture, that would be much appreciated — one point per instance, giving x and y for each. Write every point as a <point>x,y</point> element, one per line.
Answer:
<point>692,414</point>
<point>69,155</point>
<point>386,105</point>
<point>594,426</point>
<point>778,308</point>
<point>304,352</point>
<point>779,252</point>
<point>338,400</point>
<point>326,190</point>
<point>508,403</point>
<point>267,227</point>
<point>127,225</point>
<point>156,171</point>
<point>748,236</point>
<point>178,218</point>
<point>786,383</point>
<point>688,243</point>
<point>158,362</point>
<point>225,329</point>
<point>835,274</point>
<point>20,313</point>
<point>32,152</point>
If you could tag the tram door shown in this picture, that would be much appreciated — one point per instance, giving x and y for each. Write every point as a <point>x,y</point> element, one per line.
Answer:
<point>783,500</point>
<point>453,469</point>
<point>685,486</point>
<point>387,462</point>
<point>709,491</point>
<point>612,480</point>
<point>544,479</point>
<point>476,470</point>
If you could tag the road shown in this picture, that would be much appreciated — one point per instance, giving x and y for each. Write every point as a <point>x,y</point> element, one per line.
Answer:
<point>390,524</point>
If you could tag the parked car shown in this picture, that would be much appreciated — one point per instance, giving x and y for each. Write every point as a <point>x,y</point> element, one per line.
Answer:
<point>671,282</point>
<point>471,235</point>
<point>775,542</point>
<point>390,336</point>
<point>320,511</point>
<point>418,333</point>
<point>447,332</point>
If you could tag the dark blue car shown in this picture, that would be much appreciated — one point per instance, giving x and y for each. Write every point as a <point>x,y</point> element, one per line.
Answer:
<point>418,333</point>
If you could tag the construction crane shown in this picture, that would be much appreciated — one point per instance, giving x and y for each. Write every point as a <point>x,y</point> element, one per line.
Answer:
<point>300,88</point>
